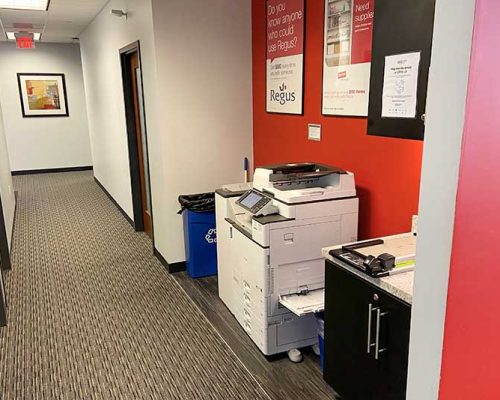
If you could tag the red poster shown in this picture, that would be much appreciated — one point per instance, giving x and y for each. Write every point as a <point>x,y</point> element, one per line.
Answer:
<point>285,55</point>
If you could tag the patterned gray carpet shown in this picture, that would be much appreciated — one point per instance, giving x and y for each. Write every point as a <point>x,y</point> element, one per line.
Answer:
<point>93,315</point>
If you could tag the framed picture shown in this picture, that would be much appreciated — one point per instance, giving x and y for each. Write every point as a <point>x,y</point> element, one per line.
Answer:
<point>43,95</point>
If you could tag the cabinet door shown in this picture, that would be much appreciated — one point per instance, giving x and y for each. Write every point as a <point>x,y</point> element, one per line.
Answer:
<point>366,338</point>
<point>394,338</point>
<point>349,362</point>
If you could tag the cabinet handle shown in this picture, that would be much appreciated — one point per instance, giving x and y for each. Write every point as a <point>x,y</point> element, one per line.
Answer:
<point>369,341</point>
<point>230,232</point>
<point>380,314</point>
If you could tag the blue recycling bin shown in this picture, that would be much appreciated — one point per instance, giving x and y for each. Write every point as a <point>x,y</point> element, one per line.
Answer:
<point>201,243</point>
<point>320,318</point>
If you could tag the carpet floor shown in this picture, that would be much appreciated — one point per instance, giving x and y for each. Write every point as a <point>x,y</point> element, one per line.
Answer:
<point>93,315</point>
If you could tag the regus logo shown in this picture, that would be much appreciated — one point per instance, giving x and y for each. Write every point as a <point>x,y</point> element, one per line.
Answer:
<point>282,96</point>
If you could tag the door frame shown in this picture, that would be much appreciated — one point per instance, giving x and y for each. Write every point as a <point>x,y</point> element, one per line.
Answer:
<point>134,161</point>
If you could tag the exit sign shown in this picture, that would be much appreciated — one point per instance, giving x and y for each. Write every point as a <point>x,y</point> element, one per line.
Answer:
<point>25,43</point>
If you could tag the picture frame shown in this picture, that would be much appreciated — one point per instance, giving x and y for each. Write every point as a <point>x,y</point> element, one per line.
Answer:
<point>43,95</point>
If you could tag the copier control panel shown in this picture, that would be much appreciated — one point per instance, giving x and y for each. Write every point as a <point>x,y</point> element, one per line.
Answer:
<point>256,203</point>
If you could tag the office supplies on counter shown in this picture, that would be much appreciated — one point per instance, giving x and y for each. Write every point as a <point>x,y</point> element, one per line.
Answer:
<point>269,242</point>
<point>380,257</point>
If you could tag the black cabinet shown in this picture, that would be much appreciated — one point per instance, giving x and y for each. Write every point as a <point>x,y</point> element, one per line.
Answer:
<point>367,332</point>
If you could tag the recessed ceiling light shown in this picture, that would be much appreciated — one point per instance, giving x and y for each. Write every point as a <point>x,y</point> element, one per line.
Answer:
<point>12,35</point>
<point>35,5</point>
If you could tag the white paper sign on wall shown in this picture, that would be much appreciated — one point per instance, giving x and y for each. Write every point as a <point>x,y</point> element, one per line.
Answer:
<point>399,95</point>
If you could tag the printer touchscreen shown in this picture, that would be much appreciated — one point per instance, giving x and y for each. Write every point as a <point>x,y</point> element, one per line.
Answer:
<point>256,203</point>
<point>251,200</point>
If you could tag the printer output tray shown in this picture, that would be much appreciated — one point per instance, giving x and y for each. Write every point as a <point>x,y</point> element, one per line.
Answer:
<point>302,304</point>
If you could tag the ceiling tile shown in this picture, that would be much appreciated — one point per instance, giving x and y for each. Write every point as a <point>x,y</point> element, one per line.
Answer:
<point>65,19</point>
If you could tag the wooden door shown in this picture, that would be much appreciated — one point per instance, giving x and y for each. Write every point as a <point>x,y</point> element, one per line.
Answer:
<point>136,80</point>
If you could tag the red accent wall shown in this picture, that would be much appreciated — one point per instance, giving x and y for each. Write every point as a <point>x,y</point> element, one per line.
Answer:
<point>471,352</point>
<point>387,170</point>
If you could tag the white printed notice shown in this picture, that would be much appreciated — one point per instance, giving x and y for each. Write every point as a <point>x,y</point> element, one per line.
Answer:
<point>399,96</point>
<point>285,56</point>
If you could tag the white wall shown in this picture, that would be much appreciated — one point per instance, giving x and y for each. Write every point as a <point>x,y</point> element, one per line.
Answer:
<point>44,143</point>
<point>204,54</point>
<point>197,71</point>
<point>104,89</point>
<point>6,188</point>
<point>442,150</point>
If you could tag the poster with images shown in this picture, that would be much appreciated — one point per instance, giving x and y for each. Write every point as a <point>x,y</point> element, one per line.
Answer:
<point>348,34</point>
<point>285,56</point>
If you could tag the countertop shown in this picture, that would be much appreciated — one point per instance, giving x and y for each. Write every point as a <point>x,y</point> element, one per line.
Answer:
<point>398,285</point>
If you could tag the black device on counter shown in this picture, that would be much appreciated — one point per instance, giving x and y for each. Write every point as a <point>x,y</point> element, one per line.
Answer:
<point>377,267</point>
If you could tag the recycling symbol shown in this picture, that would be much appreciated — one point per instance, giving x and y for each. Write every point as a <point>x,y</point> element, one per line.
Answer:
<point>211,236</point>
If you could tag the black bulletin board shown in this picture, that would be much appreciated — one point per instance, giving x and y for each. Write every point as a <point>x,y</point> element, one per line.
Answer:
<point>400,26</point>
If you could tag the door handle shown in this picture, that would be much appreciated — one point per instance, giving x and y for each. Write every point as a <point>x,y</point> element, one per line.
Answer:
<point>380,314</point>
<point>369,343</point>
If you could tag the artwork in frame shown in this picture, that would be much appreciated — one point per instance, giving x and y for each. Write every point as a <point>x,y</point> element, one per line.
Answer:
<point>43,95</point>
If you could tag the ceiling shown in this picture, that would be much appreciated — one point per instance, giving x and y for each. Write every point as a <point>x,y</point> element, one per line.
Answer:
<point>64,20</point>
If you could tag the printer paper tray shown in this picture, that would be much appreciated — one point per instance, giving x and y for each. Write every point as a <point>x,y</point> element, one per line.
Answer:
<point>302,304</point>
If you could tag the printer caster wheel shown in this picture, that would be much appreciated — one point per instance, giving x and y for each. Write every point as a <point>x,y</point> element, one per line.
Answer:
<point>315,349</point>
<point>295,355</point>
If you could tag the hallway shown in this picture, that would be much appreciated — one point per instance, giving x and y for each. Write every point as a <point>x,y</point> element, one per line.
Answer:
<point>93,315</point>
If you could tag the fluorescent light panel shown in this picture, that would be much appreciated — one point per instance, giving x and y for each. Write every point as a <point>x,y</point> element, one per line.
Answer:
<point>35,5</point>
<point>12,36</point>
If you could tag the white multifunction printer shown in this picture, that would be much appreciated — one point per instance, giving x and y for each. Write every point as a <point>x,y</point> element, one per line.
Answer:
<point>269,241</point>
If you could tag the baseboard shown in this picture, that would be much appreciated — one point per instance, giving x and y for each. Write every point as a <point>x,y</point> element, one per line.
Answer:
<point>115,203</point>
<point>4,243</point>
<point>52,170</point>
<point>176,267</point>
<point>171,268</point>
<point>16,195</point>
